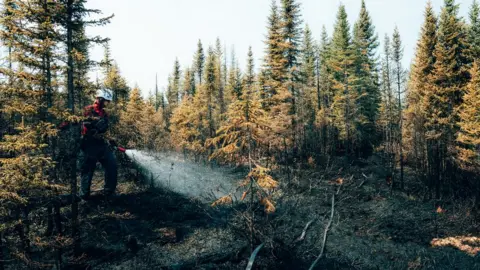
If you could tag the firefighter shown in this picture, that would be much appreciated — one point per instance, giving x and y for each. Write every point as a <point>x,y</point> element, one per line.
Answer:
<point>95,148</point>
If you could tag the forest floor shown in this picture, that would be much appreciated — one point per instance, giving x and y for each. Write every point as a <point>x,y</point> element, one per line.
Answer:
<point>372,228</point>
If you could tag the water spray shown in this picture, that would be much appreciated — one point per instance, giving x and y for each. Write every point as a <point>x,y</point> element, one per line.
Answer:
<point>173,172</point>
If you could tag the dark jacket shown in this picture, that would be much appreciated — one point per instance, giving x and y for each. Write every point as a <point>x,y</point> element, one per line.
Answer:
<point>94,128</point>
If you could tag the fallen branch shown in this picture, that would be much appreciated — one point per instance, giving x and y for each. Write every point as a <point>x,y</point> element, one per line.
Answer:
<point>302,236</point>
<point>252,257</point>
<point>363,182</point>
<point>325,234</point>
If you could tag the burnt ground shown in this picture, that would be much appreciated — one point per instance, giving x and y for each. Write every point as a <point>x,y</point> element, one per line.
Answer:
<point>372,228</point>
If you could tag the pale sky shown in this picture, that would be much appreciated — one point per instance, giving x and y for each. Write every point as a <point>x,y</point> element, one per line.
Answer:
<point>147,35</point>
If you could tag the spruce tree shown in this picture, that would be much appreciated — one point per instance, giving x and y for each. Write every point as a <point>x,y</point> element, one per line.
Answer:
<point>307,92</point>
<point>324,94</point>
<point>388,110</point>
<point>188,83</point>
<point>156,94</point>
<point>365,42</point>
<point>173,93</point>
<point>342,63</point>
<point>292,34</point>
<point>219,77</point>
<point>210,93</point>
<point>199,61</point>
<point>449,77</point>
<point>249,78</point>
<point>234,83</point>
<point>468,136</point>
<point>107,61</point>
<point>421,71</point>
<point>307,70</point>
<point>118,84</point>
<point>399,77</point>
<point>274,63</point>
<point>474,31</point>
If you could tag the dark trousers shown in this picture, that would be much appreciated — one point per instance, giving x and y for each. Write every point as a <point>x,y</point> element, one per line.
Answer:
<point>88,162</point>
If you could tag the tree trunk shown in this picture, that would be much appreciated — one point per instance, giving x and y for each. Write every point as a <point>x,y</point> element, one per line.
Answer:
<point>400,127</point>
<point>74,135</point>
<point>49,229</point>
<point>58,227</point>
<point>20,228</point>
<point>2,256</point>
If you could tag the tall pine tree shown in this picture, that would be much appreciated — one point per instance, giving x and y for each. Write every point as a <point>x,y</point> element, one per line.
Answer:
<point>421,71</point>
<point>366,43</point>
<point>449,77</point>
<point>199,61</point>
<point>474,31</point>
<point>399,77</point>
<point>342,63</point>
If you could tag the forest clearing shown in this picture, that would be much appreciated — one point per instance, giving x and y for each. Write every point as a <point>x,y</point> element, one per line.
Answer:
<point>325,154</point>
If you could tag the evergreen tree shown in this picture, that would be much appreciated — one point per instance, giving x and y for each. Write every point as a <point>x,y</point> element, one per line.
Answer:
<point>199,61</point>
<point>449,77</point>
<point>275,62</point>
<point>118,84</point>
<point>174,87</point>
<point>308,60</point>
<point>388,110</point>
<point>307,104</point>
<point>107,61</point>
<point>188,83</point>
<point>342,63</point>
<point>234,83</point>
<point>132,121</point>
<point>210,93</point>
<point>156,94</point>
<point>219,76</point>
<point>241,137</point>
<point>365,42</point>
<point>474,31</point>
<point>291,34</point>
<point>421,71</point>
<point>399,77</point>
<point>324,94</point>
<point>468,136</point>
<point>249,78</point>
<point>84,88</point>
